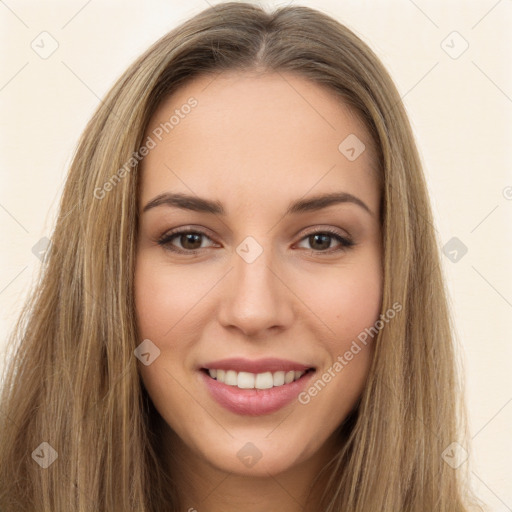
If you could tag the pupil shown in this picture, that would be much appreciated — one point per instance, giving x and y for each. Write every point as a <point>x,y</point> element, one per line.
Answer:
<point>188,237</point>
<point>323,236</point>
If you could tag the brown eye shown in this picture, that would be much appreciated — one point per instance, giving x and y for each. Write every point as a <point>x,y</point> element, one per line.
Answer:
<point>189,241</point>
<point>320,241</point>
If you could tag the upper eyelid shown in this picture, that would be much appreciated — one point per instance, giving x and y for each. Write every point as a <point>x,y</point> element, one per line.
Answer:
<point>186,230</point>
<point>205,231</point>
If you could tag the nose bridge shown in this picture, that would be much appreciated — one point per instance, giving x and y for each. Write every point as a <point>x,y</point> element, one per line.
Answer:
<point>255,299</point>
<point>253,277</point>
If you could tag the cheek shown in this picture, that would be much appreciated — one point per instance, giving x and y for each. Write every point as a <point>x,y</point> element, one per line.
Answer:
<point>347,301</point>
<point>348,305</point>
<point>163,296</point>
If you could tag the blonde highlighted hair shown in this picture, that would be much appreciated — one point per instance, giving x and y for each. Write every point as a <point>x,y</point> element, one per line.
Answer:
<point>72,378</point>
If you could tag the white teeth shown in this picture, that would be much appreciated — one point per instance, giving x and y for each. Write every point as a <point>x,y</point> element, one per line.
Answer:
<point>278,378</point>
<point>264,381</point>
<point>231,378</point>
<point>247,380</point>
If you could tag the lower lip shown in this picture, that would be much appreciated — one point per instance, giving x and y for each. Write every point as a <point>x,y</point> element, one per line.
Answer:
<point>255,402</point>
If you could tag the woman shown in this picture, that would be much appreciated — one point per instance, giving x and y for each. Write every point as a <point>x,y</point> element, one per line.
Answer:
<point>259,370</point>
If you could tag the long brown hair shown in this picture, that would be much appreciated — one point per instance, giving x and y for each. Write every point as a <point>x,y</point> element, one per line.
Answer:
<point>72,379</point>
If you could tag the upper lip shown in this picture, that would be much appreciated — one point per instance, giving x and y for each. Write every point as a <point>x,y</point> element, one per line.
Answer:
<point>240,364</point>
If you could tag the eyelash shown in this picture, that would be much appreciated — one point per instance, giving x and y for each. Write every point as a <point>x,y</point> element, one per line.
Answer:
<point>164,241</point>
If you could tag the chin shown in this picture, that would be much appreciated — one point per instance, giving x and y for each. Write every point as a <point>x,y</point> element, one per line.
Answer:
<point>254,459</point>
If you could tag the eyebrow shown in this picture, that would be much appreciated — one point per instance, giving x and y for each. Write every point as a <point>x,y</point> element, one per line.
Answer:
<point>199,204</point>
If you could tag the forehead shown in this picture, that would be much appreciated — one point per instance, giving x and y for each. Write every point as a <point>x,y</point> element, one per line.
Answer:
<point>263,135</point>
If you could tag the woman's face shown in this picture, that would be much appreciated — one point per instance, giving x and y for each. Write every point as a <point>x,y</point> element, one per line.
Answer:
<point>259,292</point>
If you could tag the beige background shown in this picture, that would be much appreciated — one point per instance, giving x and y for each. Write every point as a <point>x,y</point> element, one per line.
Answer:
<point>460,108</point>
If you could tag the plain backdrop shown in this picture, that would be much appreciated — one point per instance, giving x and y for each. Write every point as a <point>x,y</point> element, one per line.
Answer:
<point>451,64</point>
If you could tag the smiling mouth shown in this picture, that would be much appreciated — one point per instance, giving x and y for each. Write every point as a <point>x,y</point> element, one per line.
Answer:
<point>248,380</point>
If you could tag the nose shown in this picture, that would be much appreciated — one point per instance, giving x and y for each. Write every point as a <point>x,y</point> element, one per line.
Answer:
<point>256,299</point>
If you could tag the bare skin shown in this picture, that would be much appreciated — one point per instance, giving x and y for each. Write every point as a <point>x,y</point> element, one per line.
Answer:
<point>255,143</point>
